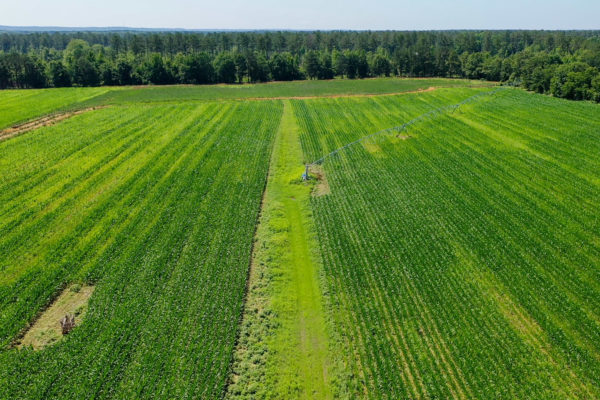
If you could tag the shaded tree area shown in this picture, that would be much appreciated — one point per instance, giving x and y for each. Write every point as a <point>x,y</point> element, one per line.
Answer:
<point>565,64</point>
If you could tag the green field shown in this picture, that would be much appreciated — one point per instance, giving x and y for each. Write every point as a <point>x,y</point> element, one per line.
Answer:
<point>336,87</point>
<point>456,258</point>
<point>22,105</point>
<point>464,260</point>
<point>156,206</point>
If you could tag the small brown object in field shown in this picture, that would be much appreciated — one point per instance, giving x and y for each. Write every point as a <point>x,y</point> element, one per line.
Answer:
<point>67,324</point>
<point>46,329</point>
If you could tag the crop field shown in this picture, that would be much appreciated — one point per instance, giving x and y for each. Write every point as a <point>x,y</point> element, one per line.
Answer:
<point>335,87</point>
<point>21,105</point>
<point>156,206</point>
<point>455,256</point>
<point>464,258</point>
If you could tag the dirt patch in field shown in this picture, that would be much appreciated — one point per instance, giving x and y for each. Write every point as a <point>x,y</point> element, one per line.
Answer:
<point>372,147</point>
<point>322,186</point>
<point>47,120</point>
<point>47,329</point>
<point>404,137</point>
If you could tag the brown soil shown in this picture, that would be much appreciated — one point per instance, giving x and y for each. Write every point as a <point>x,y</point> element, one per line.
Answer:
<point>322,186</point>
<point>46,120</point>
<point>403,137</point>
<point>46,329</point>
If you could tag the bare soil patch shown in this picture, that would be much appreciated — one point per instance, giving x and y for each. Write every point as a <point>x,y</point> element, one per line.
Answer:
<point>46,120</point>
<point>47,329</point>
<point>403,137</point>
<point>322,186</point>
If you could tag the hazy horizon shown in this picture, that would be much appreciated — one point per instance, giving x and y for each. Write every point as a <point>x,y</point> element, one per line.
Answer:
<point>308,15</point>
<point>55,28</point>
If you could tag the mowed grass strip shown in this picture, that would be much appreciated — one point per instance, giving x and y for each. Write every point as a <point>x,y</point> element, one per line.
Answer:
<point>160,217</point>
<point>285,349</point>
<point>464,260</point>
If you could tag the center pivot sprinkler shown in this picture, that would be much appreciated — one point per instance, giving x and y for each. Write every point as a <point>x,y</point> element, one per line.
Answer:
<point>305,175</point>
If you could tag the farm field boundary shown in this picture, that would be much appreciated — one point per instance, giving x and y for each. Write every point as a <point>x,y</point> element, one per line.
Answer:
<point>285,337</point>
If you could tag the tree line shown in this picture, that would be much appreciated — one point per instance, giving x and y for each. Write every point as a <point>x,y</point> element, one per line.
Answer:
<point>562,63</point>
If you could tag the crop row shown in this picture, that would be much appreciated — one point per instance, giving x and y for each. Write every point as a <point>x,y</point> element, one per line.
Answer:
<point>362,117</point>
<point>156,206</point>
<point>22,105</point>
<point>464,260</point>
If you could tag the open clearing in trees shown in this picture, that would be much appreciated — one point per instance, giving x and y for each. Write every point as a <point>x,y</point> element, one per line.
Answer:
<point>457,257</point>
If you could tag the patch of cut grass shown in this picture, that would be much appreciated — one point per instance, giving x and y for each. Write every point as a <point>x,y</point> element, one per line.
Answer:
<point>46,330</point>
<point>285,348</point>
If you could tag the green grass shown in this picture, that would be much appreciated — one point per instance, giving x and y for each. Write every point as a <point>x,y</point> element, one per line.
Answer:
<point>21,105</point>
<point>279,89</point>
<point>460,260</point>
<point>155,206</point>
<point>464,261</point>
<point>284,346</point>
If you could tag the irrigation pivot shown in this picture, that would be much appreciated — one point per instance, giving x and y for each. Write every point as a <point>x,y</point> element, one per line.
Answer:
<point>397,129</point>
<point>305,175</point>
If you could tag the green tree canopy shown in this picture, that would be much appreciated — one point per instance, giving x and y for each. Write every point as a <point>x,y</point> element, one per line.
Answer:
<point>225,68</point>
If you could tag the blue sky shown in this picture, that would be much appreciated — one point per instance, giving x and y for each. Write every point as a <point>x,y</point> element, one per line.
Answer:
<point>306,14</point>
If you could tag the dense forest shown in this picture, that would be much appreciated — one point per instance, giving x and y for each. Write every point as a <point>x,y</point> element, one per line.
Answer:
<point>562,63</point>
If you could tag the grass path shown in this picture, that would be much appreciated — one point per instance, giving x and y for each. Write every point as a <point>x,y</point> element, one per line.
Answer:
<point>283,349</point>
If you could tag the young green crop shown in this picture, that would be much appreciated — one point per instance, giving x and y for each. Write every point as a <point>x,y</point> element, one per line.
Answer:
<point>463,257</point>
<point>157,207</point>
<point>460,257</point>
<point>336,87</point>
<point>22,105</point>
